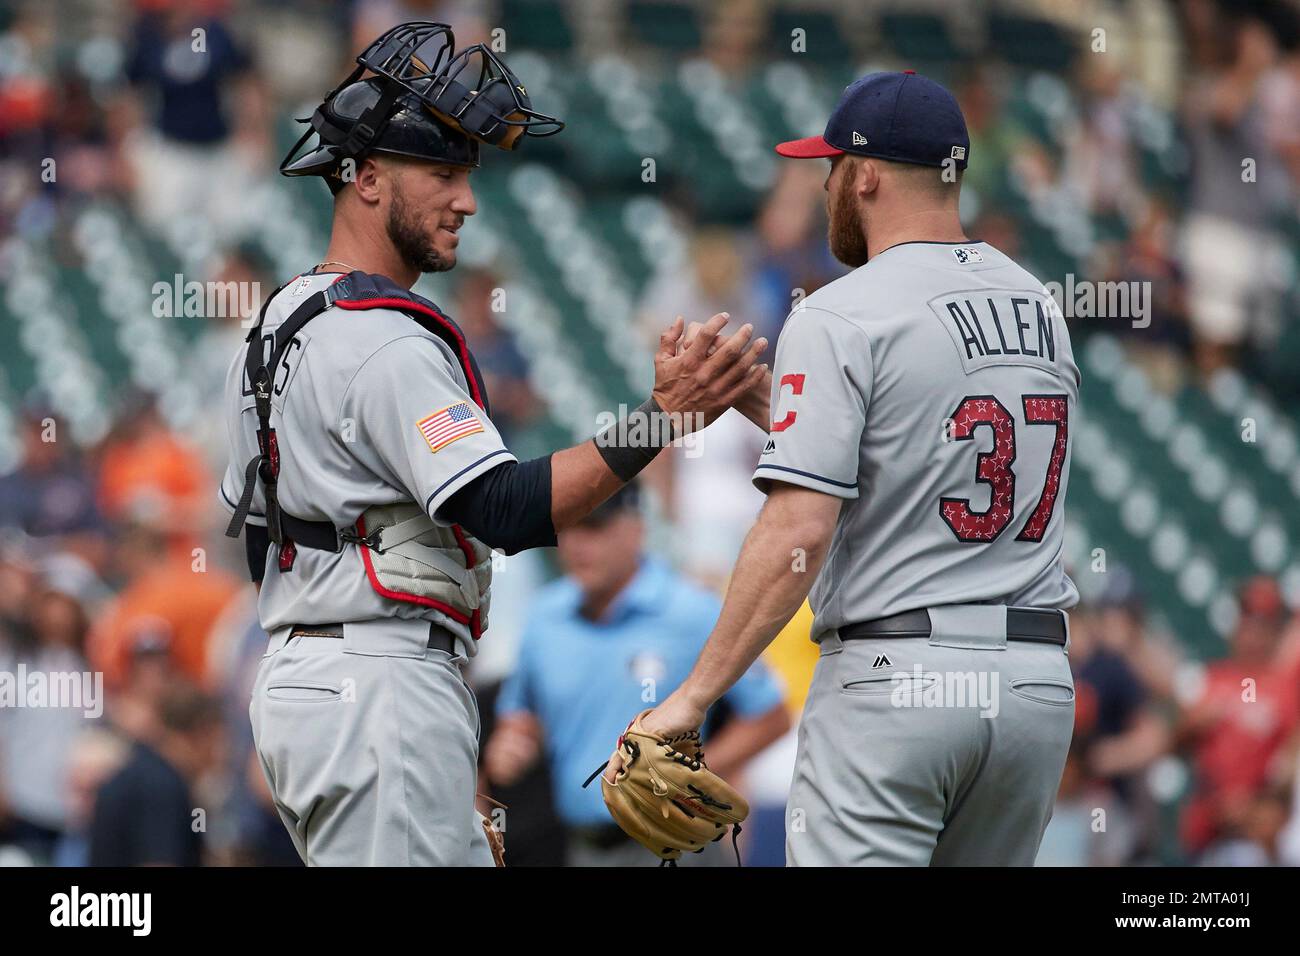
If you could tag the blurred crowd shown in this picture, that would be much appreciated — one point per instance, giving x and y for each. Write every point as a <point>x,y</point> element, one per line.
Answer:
<point>1175,760</point>
<point>113,566</point>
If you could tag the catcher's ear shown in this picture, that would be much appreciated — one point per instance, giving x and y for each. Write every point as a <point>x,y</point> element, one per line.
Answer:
<point>366,178</point>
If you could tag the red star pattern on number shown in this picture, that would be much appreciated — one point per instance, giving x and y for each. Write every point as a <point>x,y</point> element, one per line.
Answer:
<point>1047,410</point>
<point>994,468</point>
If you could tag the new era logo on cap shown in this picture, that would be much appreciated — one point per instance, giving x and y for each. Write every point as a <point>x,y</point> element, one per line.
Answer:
<point>859,139</point>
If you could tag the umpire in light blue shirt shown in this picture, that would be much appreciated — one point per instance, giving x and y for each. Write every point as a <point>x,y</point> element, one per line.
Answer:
<point>615,636</point>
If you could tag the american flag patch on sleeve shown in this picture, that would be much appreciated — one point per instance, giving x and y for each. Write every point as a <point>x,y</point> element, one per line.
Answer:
<point>448,425</point>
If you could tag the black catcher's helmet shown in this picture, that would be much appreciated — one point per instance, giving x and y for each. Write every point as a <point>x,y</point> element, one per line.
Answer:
<point>425,100</point>
<point>408,130</point>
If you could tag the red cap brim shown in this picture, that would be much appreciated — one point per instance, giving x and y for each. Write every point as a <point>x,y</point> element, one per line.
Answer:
<point>810,147</point>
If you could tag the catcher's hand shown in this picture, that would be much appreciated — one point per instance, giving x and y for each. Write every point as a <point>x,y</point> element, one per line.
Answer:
<point>664,797</point>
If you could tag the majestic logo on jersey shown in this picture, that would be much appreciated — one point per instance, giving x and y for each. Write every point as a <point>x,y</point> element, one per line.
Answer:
<point>448,425</point>
<point>967,254</point>
<point>859,139</point>
<point>882,660</point>
<point>795,383</point>
<point>770,446</point>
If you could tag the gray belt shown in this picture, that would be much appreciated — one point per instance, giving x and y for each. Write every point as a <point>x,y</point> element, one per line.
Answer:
<point>1038,625</point>
<point>440,639</point>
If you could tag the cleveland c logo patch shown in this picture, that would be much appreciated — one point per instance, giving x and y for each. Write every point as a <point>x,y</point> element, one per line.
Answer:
<point>448,425</point>
<point>795,382</point>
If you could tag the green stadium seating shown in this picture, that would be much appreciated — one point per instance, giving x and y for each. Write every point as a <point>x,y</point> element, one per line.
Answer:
<point>825,40</point>
<point>536,25</point>
<point>1030,43</point>
<point>919,38</point>
<point>673,27</point>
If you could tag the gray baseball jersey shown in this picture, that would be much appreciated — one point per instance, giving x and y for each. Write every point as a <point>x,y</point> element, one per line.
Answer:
<point>932,389</point>
<point>370,409</point>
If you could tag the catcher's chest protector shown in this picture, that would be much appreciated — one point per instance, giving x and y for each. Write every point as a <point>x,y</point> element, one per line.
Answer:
<point>407,557</point>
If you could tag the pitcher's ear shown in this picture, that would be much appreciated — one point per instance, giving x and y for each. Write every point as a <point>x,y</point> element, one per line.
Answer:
<point>866,173</point>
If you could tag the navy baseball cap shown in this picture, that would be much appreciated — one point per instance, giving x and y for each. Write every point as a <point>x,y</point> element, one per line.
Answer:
<point>897,116</point>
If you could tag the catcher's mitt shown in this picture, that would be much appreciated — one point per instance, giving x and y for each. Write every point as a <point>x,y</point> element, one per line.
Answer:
<point>665,797</point>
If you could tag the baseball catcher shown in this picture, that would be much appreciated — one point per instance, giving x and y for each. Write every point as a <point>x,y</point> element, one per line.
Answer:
<point>370,483</point>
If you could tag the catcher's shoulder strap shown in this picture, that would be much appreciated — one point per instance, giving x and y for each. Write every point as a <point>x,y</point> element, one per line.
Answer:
<point>361,290</point>
<point>355,291</point>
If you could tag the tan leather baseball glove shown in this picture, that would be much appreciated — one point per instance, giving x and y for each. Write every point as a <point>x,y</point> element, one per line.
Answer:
<point>665,797</point>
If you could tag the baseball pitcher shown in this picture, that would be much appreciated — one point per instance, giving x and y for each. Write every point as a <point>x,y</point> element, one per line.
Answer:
<point>371,483</point>
<point>915,476</point>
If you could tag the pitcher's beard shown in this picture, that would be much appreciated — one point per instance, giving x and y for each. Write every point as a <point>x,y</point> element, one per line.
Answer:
<point>844,231</point>
<point>412,242</point>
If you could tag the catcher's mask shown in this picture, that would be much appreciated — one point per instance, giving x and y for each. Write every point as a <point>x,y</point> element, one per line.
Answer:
<point>425,100</point>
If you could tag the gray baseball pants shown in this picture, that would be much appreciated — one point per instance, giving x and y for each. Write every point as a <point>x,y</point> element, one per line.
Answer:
<point>938,752</point>
<point>370,747</point>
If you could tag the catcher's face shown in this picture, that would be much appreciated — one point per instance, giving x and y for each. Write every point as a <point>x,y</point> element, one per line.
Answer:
<point>428,204</point>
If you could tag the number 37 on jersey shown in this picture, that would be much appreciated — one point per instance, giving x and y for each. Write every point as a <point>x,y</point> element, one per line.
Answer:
<point>978,417</point>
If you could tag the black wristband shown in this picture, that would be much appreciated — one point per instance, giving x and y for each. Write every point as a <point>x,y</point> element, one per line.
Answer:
<point>632,442</point>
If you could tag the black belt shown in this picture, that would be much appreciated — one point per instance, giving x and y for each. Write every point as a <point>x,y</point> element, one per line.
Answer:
<point>321,535</point>
<point>1040,626</point>
<point>440,639</point>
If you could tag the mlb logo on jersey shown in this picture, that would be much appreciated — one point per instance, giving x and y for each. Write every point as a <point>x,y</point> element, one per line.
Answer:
<point>448,425</point>
<point>966,254</point>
